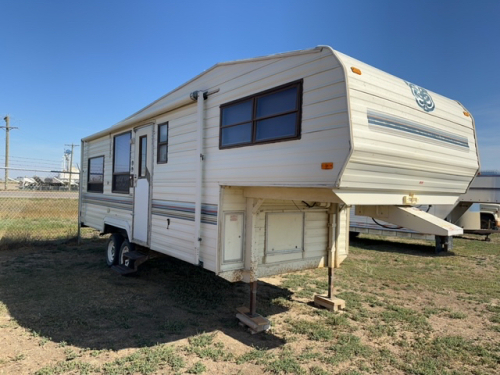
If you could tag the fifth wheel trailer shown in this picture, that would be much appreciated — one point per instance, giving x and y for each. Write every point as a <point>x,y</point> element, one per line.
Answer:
<point>249,168</point>
<point>476,211</point>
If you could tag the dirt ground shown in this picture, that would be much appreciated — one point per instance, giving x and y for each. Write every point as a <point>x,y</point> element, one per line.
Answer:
<point>408,310</point>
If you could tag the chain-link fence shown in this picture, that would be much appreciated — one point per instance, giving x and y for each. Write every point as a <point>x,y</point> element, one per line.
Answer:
<point>37,206</point>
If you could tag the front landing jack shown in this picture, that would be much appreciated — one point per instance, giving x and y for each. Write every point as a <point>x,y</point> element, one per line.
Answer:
<point>329,302</point>
<point>248,316</point>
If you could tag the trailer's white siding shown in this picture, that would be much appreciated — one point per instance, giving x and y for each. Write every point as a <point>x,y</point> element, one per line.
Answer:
<point>389,159</point>
<point>97,206</point>
<point>342,235</point>
<point>289,163</point>
<point>311,250</point>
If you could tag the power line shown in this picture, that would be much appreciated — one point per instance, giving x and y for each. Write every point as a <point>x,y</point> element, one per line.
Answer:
<point>20,157</point>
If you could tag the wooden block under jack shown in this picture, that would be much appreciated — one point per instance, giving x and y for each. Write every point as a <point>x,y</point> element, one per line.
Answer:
<point>332,304</point>
<point>255,324</point>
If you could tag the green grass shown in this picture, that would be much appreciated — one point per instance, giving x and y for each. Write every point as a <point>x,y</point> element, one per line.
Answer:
<point>204,347</point>
<point>65,367</point>
<point>28,220</point>
<point>405,309</point>
<point>285,363</point>
<point>315,331</point>
<point>258,356</point>
<point>198,368</point>
<point>348,346</point>
<point>146,361</point>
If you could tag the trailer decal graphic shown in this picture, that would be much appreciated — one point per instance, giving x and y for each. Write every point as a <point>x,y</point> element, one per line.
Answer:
<point>121,203</point>
<point>422,97</point>
<point>383,120</point>
<point>185,211</point>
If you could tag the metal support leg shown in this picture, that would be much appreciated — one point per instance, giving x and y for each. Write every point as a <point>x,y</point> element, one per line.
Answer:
<point>253,299</point>
<point>443,243</point>
<point>330,282</point>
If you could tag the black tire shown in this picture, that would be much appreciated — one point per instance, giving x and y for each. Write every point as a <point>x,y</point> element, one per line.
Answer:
<point>353,235</point>
<point>125,248</point>
<point>113,248</point>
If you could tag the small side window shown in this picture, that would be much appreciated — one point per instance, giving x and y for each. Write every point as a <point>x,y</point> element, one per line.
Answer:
<point>143,156</point>
<point>162,143</point>
<point>95,178</point>
<point>121,163</point>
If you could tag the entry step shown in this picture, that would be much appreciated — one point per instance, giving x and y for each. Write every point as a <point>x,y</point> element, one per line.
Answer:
<point>123,270</point>
<point>134,255</point>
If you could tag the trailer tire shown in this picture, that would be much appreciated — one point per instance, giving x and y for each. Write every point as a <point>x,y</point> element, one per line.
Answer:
<point>125,248</point>
<point>113,248</point>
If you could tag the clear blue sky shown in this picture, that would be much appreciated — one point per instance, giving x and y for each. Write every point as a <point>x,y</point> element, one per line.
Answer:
<point>71,68</point>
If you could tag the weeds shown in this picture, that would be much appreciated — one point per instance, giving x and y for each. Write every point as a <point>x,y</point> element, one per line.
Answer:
<point>256,355</point>
<point>66,367</point>
<point>402,310</point>
<point>347,347</point>
<point>146,361</point>
<point>198,368</point>
<point>457,315</point>
<point>202,345</point>
<point>285,364</point>
<point>313,330</point>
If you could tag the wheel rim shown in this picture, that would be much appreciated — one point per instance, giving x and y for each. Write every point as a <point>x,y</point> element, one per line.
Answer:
<point>127,261</point>
<point>111,251</point>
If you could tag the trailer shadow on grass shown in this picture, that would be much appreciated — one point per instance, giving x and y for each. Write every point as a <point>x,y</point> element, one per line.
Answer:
<point>399,245</point>
<point>67,294</point>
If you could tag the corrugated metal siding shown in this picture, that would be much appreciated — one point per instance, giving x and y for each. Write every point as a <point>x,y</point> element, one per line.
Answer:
<point>392,160</point>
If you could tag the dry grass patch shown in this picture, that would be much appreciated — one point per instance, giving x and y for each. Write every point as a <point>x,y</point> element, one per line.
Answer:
<point>62,311</point>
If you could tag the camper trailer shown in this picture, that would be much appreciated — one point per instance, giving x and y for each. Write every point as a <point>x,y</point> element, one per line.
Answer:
<point>476,212</point>
<point>250,168</point>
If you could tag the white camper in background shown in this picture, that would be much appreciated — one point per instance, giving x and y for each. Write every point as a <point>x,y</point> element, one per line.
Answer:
<point>249,169</point>
<point>476,211</point>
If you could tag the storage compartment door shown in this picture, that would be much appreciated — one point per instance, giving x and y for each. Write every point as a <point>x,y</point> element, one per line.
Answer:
<point>232,251</point>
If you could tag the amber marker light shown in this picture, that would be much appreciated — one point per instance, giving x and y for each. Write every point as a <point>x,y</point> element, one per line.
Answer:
<point>466,113</point>
<point>355,70</point>
<point>326,165</point>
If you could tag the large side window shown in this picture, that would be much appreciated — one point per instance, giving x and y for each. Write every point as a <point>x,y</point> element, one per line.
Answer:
<point>121,163</point>
<point>269,116</point>
<point>95,178</point>
<point>162,148</point>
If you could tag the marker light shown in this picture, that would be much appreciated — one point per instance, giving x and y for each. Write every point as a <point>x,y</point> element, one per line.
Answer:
<point>326,165</point>
<point>355,70</point>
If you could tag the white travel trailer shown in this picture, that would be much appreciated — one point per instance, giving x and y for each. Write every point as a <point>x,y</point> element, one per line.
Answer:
<point>476,211</point>
<point>249,169</point>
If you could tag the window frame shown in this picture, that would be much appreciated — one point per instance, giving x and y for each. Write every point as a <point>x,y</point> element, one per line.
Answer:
<point>113,184</point>
<point>254,120</point>
<point>101,190</point>
<point>159,144</point>
<point>143,173</point>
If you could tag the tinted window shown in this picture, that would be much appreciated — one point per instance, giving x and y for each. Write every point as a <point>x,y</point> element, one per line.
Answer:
<point>269,116</point>
<point>121,163</point>
<point>162,147</point>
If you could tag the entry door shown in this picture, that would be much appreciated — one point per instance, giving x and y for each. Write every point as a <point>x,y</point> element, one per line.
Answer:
<point>142,180</point>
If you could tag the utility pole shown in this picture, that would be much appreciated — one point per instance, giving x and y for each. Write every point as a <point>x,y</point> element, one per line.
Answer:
<point>7,128</point>
<point>71,164</point>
